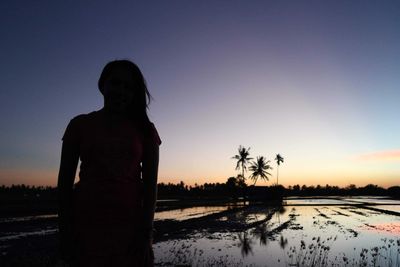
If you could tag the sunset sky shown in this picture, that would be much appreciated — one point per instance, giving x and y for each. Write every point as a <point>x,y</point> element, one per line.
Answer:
<point>316,81</point>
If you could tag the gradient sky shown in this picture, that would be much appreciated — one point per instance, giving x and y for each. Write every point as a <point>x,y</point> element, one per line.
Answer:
<point>316,81</point>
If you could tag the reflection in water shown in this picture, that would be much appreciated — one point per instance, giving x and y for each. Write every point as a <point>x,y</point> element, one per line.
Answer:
<point>243,234</point>
<point>13,236</point>
<point>393,227</point>
<point>303,238</point>
<point>188,213</point>
<point>261,232</point>
<point>280,212</point>
<point>245,244</point>
<point>27,218</point>
<point>282,209</point>
<point>283,242</point>
<point>316,201</point>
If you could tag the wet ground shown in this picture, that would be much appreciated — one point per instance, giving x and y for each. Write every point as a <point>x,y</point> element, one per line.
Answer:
<point>362,231</point>
<point>358,231</point>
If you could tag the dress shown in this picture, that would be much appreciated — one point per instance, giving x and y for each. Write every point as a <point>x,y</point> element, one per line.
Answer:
<point>107,200</point>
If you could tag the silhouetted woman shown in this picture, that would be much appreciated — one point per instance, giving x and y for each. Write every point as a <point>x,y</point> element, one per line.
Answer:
<point>106,219</point>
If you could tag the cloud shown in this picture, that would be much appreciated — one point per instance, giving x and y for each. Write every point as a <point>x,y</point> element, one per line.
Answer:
<point>393,155</point>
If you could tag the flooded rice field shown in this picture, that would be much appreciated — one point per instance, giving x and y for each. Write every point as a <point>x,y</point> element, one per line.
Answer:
<point>187,213</point>
<point>302,233</point>
<point>362,231</point>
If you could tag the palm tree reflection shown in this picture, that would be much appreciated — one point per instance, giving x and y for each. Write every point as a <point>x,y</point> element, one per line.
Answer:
<point>261,232</point>
<point>245,243</point>
<point>283,242</point>
<point>280,212</point>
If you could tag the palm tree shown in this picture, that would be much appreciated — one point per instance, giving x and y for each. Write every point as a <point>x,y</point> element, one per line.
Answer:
<point>279,160</point>
<point>242,160</point>
<point>259,168</point>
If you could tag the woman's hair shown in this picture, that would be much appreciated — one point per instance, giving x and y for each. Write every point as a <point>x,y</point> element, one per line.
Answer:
<point>138,109</point>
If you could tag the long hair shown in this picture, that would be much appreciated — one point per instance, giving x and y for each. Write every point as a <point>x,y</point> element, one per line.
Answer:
<point>138,108</point>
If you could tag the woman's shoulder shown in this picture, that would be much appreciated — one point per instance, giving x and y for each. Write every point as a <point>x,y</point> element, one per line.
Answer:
<point>78,124</point>
<point>85,116</point>
<point>79,121</point>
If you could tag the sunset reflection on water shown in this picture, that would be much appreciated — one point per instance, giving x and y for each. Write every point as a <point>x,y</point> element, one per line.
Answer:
<point>388,227</point>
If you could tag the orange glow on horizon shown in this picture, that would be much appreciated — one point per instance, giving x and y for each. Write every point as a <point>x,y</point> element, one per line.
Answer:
<point>287,177</point>
<point>29,177</point>
<point>380,155</point>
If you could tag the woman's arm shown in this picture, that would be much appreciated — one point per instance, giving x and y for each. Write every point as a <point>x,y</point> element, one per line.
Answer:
<point>66,177</point>
<point>149,175</point>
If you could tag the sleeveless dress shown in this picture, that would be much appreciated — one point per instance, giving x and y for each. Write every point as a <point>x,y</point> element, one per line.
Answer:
<point>107,200</point>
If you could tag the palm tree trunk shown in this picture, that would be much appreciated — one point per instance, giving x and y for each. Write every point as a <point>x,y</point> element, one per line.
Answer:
<point>243,171</point>
<point>243,184</point>
<point>277,174</point>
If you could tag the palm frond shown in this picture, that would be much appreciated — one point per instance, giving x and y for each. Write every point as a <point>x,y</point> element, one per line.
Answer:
<point>279,159</point>
<point>242,158</point>
<point>259,169</point>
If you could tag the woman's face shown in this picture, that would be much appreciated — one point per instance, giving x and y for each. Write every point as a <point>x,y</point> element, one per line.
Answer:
<point>118,90</point>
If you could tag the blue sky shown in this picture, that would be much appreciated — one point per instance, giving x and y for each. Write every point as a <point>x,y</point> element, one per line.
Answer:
<point>315,81</point>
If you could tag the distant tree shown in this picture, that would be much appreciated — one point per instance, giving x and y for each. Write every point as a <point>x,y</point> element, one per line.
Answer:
<point>240,181</point>
<point>394,191</point>
<point>232,182</point>
<point>296,189</point>
<point>242,159</point>
<point>260,169</point>
<point>279,160</point>
<point>371,189</point>
<point>351,189</point>
<point>233,185</point>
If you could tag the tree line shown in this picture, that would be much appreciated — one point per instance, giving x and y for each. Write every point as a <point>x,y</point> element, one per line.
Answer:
<point>231,188</point>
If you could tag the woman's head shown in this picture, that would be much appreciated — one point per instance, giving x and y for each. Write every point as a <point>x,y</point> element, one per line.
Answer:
<point>124,88</point>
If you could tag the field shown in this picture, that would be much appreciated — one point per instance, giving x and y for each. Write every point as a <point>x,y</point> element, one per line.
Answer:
<point>335,231</point>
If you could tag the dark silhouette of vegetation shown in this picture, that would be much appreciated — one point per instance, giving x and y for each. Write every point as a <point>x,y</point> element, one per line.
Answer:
<point>394,191</point>
<point>27,191</point>
<point>233,184</point>
<point>207,190</point>
<point>279,160</point>
<point>242,160</point>
<point>350,190</point>
<point>24,198</point>
<point>260,169</point>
